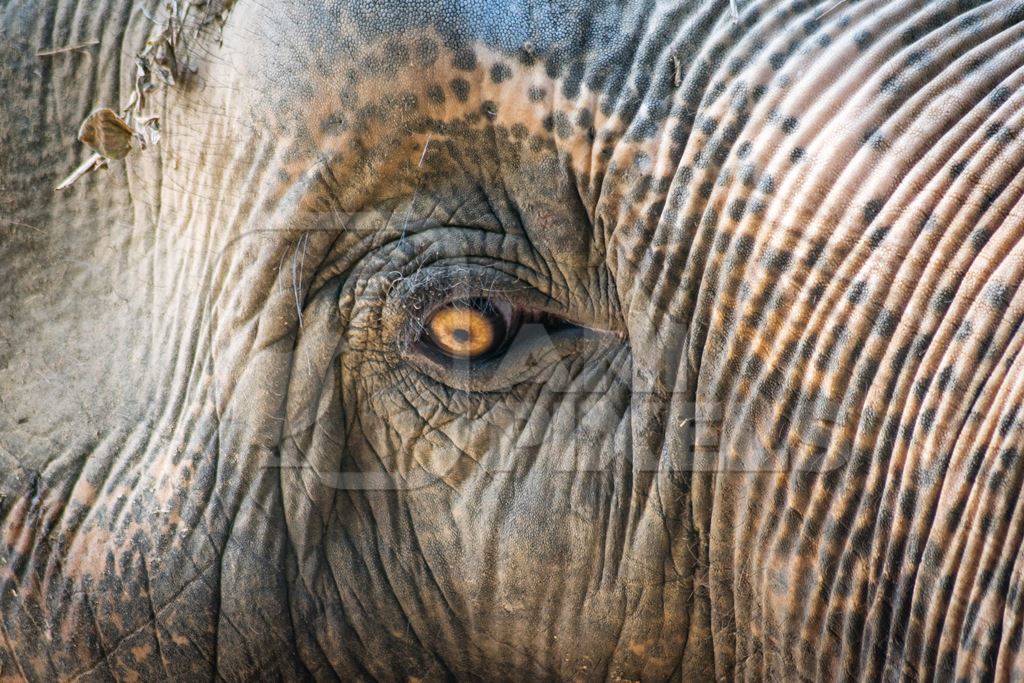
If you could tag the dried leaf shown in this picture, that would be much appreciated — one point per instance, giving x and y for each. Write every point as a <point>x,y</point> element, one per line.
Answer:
<point>147,131</point>
<point>107,133</point>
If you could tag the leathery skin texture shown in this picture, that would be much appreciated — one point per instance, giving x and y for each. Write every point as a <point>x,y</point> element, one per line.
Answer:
<point>777,435</point>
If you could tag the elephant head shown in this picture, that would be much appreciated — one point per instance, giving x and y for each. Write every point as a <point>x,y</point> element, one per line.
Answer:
<point>564,340</point>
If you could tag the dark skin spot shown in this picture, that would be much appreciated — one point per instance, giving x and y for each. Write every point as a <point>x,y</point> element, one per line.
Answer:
<point>979,238</point>
<point>527,56</point>
<point>885,324</point>
<point>778,260</point>
<point>984,346</point>
<point>916,57</point>
<point>945,377</point>
<point>464,60</point>
<point>748,175</point>
<point>489,109</point>
<point>999,296</point>
<point>460,88</point>
<point>872,209</point>
<point>856,294</point>
<point>877,235</point>
<point>944,298</point>
<point>863,39</point>
<point>435,94</point>
<point>562,127</point>
<point>744,245</point>
<point>999,96</point>
<point>426,52</point>
<point>553,67</point>
<point>500,72</point>
<point>1007,422</point>
<point>737,208</point>
<point>891,85</point>
<point>584,119</point>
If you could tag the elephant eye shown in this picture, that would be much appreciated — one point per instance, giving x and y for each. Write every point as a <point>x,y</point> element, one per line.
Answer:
<point>470,329</point>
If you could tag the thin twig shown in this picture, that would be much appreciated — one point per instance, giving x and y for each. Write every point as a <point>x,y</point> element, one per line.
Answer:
<point>94,162</point>
<point>67,48</point>
<point>300,252</point>
<point>677,71</point>
<point>149,16</point>
<point>416,192</point>
<point>423,155</point>
<point>831,9</point>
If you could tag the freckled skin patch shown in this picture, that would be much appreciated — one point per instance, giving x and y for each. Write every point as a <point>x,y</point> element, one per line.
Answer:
<point>795,453</point>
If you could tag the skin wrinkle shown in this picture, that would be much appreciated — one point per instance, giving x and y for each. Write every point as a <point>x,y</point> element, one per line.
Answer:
<point>972,496</point>
<point>138,629</point>
<point>983,437</point>
<point>979,595</point>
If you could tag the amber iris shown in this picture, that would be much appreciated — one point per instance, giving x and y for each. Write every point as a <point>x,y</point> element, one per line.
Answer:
<point>465,331</point>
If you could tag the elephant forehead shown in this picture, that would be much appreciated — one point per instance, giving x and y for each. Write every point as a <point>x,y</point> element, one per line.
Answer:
<point>563,38</point>
<point>365,89</point>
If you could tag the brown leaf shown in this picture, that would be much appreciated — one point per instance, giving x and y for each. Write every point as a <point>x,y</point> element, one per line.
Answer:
<point>107,133</point>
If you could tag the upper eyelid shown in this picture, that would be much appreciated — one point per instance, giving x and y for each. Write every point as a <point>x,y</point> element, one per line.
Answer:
<point>526,275</point>
<point>427,290</point>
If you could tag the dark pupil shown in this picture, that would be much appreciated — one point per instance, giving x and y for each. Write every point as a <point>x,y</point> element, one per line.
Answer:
<point>461,335</point>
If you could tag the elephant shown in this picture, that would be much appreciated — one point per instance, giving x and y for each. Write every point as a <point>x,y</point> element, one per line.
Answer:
<point>558,339</point>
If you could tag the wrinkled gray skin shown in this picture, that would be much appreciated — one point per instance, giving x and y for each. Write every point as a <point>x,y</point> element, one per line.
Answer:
<point>779,439</point>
